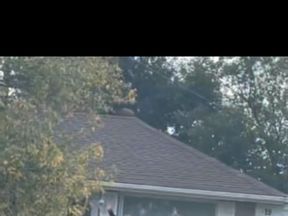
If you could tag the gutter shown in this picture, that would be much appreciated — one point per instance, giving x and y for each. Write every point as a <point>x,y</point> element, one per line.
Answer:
<point>192,193</point>
<point>286,202</point>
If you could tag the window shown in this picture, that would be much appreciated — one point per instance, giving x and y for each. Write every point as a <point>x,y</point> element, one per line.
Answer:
<point>111,201</point>
<point>140,206</point>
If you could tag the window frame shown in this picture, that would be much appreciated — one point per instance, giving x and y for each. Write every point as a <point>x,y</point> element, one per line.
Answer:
<point>122,195</point>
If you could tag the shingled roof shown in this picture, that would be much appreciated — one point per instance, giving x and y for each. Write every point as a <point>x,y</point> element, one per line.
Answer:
<point>147,156</point>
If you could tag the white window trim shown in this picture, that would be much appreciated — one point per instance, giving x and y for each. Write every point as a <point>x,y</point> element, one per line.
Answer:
<point>225,208</point>
<point>122,195</point>
<point>120,205</point>
<point>159,196</point>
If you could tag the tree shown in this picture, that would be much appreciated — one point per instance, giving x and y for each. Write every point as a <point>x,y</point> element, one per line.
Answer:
<point>41,173</point>
<point>165,86</point>
<point>248,129</point>
<point>212,126</point>
<point>200,96</point>
<point>259,86</point>
<point>150,76</point>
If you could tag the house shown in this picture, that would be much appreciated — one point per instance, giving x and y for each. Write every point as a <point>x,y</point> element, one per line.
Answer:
<point>158,175</point>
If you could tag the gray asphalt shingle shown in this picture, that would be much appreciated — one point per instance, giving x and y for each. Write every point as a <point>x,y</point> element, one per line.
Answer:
<point>144,155</point>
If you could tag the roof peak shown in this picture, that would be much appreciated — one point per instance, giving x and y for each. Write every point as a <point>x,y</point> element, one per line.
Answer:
<point>124,112</point>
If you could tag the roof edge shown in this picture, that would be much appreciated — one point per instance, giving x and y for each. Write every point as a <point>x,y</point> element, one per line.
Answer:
<point>193,193</point>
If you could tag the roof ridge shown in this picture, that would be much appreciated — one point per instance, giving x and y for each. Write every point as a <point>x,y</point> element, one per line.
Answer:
<point>210,159</point>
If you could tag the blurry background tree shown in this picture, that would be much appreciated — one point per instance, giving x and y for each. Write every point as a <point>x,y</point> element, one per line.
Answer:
<point>40,175</point>
<point>258,87</point>
<point>157,81</point>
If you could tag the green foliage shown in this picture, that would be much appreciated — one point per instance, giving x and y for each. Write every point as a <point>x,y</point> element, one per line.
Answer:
<point>153,88</point>
<point>248,129</point>
<point>260,91</point>
<point>159,82</point>
<point>41,175</point>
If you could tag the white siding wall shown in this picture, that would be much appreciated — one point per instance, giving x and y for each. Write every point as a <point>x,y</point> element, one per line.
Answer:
<point>270,210</point>
<point>285,210</point>
<point>225,208</point>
